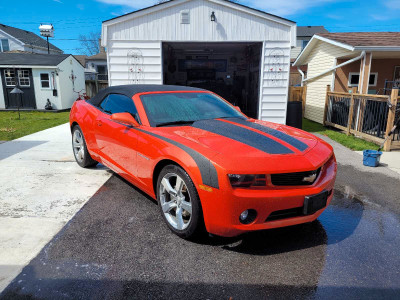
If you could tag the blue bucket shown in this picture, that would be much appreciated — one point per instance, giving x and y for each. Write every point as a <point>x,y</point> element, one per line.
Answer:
<point>371,158</point>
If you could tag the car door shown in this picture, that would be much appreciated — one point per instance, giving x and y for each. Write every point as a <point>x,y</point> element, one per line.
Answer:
<point>117,142</point>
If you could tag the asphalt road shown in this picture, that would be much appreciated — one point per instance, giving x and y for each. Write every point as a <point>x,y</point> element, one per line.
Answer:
<point>118,247</point>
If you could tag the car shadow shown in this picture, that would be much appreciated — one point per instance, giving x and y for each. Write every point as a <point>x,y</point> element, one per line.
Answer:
<point>344,207</point>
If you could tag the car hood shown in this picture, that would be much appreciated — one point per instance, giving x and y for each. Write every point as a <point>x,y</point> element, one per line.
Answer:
<point>240,145</point>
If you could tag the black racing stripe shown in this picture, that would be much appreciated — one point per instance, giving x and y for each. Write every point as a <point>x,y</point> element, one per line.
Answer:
<point>208,172</point>
<point>276,133</point>
<point>243,135</point>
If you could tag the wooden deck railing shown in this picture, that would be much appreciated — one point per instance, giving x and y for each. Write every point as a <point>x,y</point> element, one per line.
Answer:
<point>370,117</point>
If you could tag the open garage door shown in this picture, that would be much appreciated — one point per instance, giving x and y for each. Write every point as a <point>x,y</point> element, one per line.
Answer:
<point>231,70</point>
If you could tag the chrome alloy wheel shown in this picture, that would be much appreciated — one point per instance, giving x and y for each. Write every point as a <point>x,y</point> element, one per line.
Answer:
<point>79,146</point>
<point>175,201</point>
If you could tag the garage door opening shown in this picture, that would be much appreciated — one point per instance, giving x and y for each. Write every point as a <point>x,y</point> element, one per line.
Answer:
<point>231,70</point>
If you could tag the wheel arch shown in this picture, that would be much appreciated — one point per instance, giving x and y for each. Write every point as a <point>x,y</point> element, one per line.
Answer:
<point>74,123</point>
<point>157,170</point>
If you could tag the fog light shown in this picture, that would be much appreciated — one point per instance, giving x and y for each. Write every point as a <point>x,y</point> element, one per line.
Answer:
<point>248,216</point>
<point>244,215</point>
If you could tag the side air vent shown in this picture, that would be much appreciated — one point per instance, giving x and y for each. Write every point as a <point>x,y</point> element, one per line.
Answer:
<point>185,17</point>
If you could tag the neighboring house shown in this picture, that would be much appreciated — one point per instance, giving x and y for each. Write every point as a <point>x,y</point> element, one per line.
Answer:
<point>304,35</point>
<point>96,74</point>
<point>369,61</point>
<point>41,77</point>
<point>239,52</point>
<point>12,38</point>
<point>97,66</point>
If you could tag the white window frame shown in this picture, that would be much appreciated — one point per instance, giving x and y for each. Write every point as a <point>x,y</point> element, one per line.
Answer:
<point>358,73</point>
<point>19,78</point>
<point>1,45</point>
<point>40,79</point>
<point>13,77</point>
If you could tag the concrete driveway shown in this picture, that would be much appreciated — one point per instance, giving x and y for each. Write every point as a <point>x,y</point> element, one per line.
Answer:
<point>41,189</point>
<point>117,247</point>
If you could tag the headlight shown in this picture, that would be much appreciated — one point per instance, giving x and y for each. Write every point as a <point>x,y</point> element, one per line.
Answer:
<point>246,180</point>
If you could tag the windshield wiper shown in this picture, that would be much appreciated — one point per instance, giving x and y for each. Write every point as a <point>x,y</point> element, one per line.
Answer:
<point>179,122</point>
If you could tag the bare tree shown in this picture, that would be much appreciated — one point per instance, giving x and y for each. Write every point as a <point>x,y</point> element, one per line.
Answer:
<point>90,43</point>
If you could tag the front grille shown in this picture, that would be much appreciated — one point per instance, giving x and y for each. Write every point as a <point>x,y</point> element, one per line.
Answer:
<point>285,213</point>
<point>291,179</point>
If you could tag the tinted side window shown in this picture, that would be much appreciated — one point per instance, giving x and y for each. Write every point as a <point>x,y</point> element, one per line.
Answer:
<point>103,103</point>
<point>116,103</point>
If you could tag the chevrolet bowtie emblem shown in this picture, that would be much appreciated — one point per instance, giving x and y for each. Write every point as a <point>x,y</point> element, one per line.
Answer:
<point>310,178</point>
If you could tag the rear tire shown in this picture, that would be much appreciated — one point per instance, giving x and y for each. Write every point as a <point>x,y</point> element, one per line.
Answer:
<point>80,150</point>
<point>179,202</point>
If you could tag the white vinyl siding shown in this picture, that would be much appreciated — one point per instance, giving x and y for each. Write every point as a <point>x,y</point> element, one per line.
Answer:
<point>230,25</point>
<point>134,62</point>
<point>274,81</point>
<point>142,35</point>
<point>321,58</point>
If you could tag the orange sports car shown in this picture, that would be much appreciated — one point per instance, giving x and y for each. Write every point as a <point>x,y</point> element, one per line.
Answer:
<point>207,164</point>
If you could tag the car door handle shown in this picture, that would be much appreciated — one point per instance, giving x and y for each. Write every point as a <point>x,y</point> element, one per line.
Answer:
<point>99,123</point>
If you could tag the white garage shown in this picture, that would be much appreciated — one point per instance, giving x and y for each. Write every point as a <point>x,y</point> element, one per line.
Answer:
<point>240,53</point>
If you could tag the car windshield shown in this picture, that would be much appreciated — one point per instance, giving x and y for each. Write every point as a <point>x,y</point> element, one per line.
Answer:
<point>180,108</point>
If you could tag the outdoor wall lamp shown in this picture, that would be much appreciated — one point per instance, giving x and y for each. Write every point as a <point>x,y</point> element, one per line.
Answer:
<point>212,17</point>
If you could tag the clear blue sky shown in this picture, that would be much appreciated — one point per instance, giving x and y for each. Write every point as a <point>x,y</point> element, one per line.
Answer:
<point>73,17</point>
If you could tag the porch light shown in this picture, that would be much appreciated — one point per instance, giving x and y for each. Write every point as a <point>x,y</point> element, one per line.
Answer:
<point>212,17</point>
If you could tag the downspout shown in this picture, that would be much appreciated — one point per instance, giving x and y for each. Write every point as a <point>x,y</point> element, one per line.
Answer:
<point>331,69</point>
<point>302,75</point>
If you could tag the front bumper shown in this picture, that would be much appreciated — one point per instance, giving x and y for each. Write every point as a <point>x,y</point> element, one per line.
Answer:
<point>223,208</point>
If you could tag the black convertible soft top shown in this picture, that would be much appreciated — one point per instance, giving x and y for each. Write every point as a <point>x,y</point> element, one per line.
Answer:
<point>130,90</point>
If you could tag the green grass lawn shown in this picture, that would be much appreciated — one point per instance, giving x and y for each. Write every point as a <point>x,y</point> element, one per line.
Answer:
<point>349,141</point>
<point>12,128</point>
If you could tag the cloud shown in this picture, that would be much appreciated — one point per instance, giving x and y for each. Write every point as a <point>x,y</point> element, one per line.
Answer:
<point>392,4</point>
<point>58,1</point>
<point>80,6</point>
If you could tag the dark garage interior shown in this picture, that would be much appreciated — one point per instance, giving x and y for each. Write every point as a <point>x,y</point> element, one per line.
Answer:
<point>231,70</point>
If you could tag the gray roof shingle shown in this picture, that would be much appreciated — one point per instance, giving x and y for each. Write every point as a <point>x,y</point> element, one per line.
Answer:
<point>309,31</point>
<point>31,59</point>
<point>27,37</point>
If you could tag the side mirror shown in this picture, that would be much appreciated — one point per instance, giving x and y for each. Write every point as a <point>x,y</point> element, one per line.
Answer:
<point>125,118</point>
<point>238,108</point>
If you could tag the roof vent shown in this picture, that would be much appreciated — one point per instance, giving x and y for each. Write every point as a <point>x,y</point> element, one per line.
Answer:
<point>185,17</point>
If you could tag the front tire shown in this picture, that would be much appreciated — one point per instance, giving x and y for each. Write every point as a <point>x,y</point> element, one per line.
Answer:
<point>80,150</point>
<point>179,202</point>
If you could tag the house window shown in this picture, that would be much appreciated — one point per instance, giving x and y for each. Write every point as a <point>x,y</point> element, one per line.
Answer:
<point>4,45</point>
<point>354,78</point>
<point>45,80</point>
<point>9,75</point>
<point>304,44</point>
<point>23,78</point>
